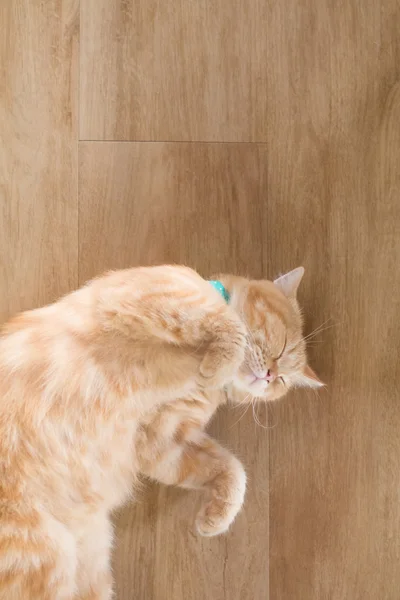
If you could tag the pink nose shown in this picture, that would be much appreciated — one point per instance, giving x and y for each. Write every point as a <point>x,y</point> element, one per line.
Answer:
<point>270,376</point>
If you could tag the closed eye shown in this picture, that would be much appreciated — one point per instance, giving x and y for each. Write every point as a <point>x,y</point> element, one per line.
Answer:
<point>283,349</point>
<point>282,380</point>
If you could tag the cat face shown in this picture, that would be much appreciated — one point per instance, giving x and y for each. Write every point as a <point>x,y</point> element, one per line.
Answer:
<point>276,357</point>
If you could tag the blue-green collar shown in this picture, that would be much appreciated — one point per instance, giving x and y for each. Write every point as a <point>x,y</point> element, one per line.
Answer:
<point>222,290</point>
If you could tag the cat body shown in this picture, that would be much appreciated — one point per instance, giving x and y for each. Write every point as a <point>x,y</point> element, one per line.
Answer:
<point>119,379</point>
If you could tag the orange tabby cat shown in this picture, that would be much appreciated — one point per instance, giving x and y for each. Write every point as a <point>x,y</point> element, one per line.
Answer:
<point>114,380</point>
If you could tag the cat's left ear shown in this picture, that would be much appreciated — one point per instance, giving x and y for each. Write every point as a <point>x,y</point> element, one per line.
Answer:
<point>309,379</point>
<point>289,283</point>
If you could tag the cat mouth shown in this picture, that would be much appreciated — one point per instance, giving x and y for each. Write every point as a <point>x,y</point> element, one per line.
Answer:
<point>255,379</point>
<point>251,381</point>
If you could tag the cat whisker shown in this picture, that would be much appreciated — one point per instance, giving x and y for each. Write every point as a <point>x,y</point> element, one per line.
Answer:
<point>239,404</point>
<point>314,393</point>
<point>242,415</point>
<point>320,329</point>
<point>256,419</point>
<point>312,336</point>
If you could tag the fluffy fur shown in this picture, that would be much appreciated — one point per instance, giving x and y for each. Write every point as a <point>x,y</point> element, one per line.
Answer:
<point>120,378</point>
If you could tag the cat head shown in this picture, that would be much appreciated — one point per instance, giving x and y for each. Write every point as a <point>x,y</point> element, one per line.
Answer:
<point>276,358</point>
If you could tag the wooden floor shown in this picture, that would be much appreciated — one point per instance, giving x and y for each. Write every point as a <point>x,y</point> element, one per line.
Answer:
<point>243,135</point>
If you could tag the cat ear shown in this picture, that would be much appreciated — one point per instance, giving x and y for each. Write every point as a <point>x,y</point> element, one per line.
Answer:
<point>310,379</point>
<point>289,283</point>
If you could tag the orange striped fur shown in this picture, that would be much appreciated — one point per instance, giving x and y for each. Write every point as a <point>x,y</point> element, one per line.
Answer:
<point>121,378</point>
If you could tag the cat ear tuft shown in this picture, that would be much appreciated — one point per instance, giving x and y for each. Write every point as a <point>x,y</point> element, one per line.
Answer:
<point>289,283</point>
<point>310,379</point>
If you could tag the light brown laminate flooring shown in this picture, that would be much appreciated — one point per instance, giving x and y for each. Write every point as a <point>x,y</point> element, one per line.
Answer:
<point>249,136</point>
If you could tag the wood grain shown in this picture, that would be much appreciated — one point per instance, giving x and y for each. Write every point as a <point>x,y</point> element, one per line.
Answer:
<point>38,152</point>
<point>318,82</point>
<point>173,71</point>
<point>153,203</point>
<point>333,171</point>
<point>200,204</point>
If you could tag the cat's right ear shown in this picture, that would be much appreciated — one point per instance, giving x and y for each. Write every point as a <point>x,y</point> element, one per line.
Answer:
<point>289,283</point>
<point>310,379</point>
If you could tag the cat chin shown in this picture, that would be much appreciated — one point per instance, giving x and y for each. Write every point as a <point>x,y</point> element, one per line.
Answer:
<point>241,391</point>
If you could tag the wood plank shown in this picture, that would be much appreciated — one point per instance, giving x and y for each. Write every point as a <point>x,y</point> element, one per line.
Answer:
<point>200,204</point>
<point>173,71</point>
<point>328,198</point>
<point>38,152</point>
<point>334,155</point>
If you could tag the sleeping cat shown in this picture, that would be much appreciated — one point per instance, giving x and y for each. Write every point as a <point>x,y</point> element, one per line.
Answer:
<point>120,378</point>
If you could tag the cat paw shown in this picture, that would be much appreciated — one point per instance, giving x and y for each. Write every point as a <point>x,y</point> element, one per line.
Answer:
<point>216,517</point>
<point>210,378</point>
<point>224,500</point>
<point>222,360</point>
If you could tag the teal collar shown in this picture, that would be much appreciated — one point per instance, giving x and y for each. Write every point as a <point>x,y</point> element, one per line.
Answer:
<point>221,289</point>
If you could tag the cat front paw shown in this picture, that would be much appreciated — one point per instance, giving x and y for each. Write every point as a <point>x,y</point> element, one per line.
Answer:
<point>215,517</point>
<point>224,500</point>
<point>223,358</point>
